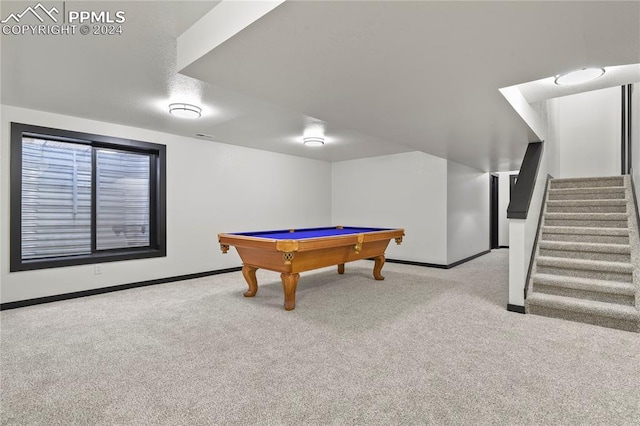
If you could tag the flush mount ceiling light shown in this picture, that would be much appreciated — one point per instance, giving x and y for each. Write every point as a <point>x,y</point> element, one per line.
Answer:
<point>313,140</point>
<point>579,76</point>
<point>185,110</point>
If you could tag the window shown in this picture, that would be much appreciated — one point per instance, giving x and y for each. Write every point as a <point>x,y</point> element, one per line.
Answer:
<point>80,198</point>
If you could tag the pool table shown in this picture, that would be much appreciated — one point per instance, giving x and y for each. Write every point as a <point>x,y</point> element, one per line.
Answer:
<point>292,251</point>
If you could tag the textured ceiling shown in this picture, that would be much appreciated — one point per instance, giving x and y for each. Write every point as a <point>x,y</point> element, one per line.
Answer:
<point>382,77</point>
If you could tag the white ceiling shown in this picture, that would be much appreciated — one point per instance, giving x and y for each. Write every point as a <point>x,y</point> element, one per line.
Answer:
<point>382,76</point>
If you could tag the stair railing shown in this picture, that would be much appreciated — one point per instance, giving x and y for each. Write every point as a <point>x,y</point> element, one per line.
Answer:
<point>528,196</point>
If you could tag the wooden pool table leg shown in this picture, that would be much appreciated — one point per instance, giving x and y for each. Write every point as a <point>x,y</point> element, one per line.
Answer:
<point>377,267</point>
<point>341,268</point>
<point>289,284</point>
<point>249,273</point>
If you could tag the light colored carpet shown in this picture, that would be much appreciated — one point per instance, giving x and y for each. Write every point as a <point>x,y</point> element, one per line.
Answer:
<point>425,346</point>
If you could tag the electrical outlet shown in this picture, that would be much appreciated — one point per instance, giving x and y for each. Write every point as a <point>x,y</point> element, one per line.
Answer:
<point>97,269</point>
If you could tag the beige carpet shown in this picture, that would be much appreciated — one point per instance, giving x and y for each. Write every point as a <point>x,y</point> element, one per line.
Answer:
<point>587,254</point>
<point>425,346</point>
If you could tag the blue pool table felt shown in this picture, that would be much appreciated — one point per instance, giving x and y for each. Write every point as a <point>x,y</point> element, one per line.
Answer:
<point>300,234</point>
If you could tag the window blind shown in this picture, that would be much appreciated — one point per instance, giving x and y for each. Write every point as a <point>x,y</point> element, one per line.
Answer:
<point>122,198</point>
<point>56,198</point>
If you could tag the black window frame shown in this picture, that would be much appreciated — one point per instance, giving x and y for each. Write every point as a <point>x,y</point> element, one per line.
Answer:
<point>157,194</point>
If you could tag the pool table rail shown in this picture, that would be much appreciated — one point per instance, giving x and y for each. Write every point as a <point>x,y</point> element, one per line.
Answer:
<point>306,244</point>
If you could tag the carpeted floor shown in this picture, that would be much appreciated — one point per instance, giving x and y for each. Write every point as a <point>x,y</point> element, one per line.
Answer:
<point>425,346</point>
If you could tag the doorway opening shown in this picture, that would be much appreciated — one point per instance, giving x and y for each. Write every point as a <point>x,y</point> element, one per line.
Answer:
<point>493,214</point>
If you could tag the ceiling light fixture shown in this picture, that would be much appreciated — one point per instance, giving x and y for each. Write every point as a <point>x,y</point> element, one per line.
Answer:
<point>185,110</point>
<point>313,140</point>
<point>579,76</point>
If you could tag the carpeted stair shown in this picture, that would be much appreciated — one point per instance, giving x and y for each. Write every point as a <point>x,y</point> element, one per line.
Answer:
<point>586,264</point>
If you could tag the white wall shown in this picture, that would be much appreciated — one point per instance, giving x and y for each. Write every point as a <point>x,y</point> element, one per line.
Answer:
<point>587,134</point>
<point>532,114</point>
<point>404,190</point>
<point>468,202</point>
<point>211,188</point>
<point>522,234</point>
<point>3,204</point>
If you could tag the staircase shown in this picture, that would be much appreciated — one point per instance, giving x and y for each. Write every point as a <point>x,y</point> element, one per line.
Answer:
<point>587,261</point>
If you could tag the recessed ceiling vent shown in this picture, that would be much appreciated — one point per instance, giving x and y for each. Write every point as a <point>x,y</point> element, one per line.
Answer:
<point>205,136</point>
